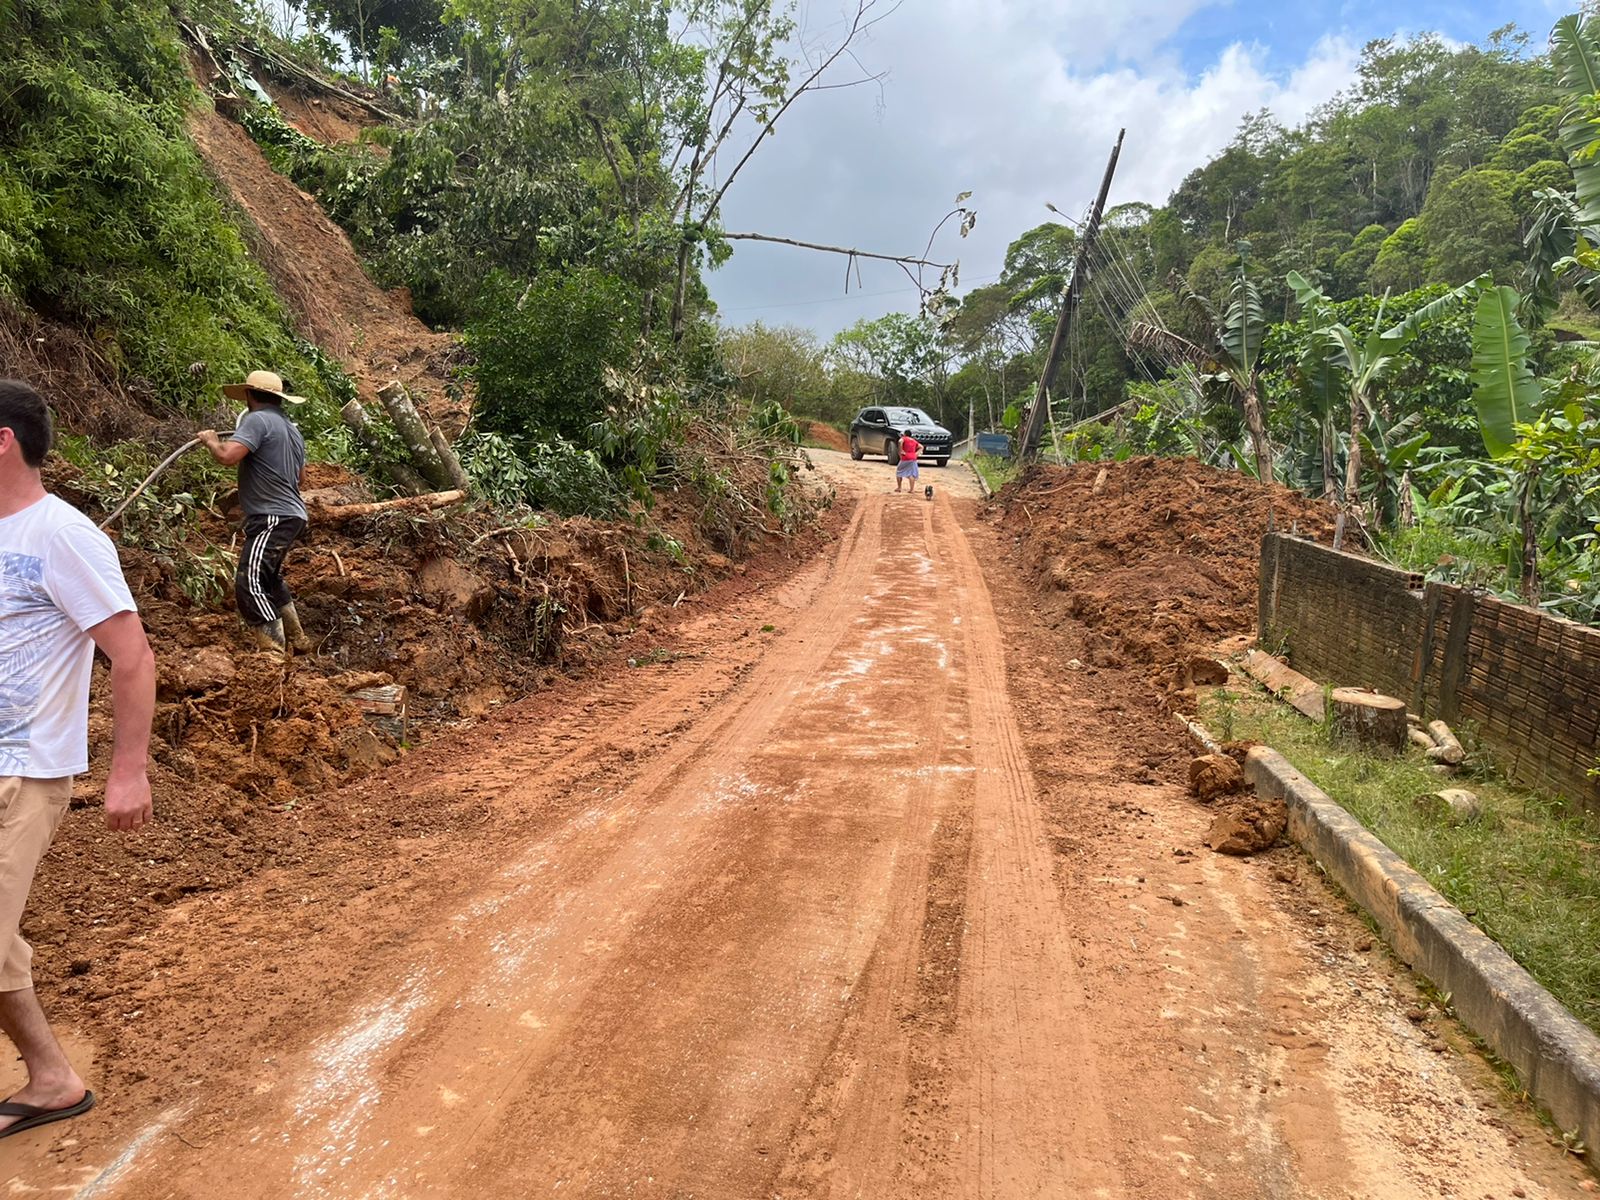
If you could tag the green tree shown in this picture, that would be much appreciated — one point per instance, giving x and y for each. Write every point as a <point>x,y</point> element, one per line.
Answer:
<point>1351,269</point>
<point>782,365</point>
<point>905,357</point>
<point>542,351</point>
<point>1469,225</point>
<point>1402,259</point>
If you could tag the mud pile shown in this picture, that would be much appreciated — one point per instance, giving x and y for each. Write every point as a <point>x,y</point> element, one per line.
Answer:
<point>827,437</point>
<point>1157,555</point>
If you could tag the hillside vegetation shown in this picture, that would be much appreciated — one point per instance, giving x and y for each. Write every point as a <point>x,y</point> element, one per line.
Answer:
<point>542,186</point>
<point>1389,306</point>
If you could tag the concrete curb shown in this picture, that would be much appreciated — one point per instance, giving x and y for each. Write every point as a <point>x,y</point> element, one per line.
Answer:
<point>982,482</point>
<point>1557,1056</point>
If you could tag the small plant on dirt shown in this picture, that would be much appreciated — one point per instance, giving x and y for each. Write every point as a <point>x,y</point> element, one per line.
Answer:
<point>659,655</point>
<point>1225,712</point>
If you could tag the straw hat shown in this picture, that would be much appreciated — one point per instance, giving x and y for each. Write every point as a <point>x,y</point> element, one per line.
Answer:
<point>261,385</point>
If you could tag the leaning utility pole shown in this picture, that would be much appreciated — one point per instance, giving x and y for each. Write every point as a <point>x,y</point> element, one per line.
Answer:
<point>1040,409</point>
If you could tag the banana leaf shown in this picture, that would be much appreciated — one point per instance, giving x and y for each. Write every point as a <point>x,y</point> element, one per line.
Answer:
<point>1244,325</point>
<point>1503,387</point>
<point>1576,55</point>
<point>1401,335</point>
<point>1306,293</point>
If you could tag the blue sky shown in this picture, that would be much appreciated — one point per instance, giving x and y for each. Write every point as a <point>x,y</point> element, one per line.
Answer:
<point>1288,31</point>
<point>1018,101</point>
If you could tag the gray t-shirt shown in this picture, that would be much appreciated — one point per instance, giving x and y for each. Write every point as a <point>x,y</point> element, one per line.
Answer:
<point>269,476</point>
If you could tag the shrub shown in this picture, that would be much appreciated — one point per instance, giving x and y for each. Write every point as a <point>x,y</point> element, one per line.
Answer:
<point>542,351</point>
<point>554,475</point>
<point>109,219</point>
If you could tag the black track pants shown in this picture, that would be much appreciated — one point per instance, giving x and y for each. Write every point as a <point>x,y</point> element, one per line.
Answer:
<point>258,586</point>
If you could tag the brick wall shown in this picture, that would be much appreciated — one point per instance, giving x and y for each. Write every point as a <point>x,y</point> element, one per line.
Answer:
<point>1528,683</point>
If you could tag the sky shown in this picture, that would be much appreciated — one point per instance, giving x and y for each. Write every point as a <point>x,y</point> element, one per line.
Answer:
<point>1019,101</point>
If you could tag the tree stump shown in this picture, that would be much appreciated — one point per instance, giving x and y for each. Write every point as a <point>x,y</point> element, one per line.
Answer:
<point>1369,719</point>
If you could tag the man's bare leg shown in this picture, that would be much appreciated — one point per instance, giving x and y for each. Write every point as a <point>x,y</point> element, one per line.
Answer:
<point>52,1083</point>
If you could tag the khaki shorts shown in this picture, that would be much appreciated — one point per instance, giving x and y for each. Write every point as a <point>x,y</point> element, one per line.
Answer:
<point>30,812</point>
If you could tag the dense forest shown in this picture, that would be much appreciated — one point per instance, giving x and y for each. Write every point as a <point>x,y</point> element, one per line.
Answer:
<point>1389,305</point>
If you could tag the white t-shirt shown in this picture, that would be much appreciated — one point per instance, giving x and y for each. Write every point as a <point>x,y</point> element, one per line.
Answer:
<point>59,577</point>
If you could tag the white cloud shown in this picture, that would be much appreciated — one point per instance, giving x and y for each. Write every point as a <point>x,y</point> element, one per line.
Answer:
<point>1017,100</point>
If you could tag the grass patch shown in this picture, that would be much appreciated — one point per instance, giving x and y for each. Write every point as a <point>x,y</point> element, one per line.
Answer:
<point>996,472</point>
<point>1528,874</point>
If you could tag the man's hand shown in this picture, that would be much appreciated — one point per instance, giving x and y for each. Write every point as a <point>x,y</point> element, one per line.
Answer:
<point>133,702</point>
<point>229,453</point>
<point>128,804</point>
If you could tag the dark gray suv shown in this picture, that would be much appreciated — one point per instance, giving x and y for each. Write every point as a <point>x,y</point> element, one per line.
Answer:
<point>878,430</point>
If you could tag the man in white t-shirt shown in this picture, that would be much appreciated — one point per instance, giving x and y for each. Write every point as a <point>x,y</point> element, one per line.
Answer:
<point>61,595</point>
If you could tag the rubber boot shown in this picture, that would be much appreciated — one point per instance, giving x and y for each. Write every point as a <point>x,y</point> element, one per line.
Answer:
<point>293,630</point>
<point>269,637</point>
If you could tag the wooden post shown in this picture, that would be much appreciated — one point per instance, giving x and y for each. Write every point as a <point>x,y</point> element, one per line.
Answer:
<point>414,433</point>
<point>1037,413</point>
<point>1370,719</point>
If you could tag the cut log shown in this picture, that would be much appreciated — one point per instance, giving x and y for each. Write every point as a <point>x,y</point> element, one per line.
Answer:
<point>1294,689</point>
<point>338,514</point>
<point>360,424</point>
<point>413,432</point>
<point>1369,719</point>
<point>1457,806</point>
<point>1421,740</point>
<point>1447,749</point>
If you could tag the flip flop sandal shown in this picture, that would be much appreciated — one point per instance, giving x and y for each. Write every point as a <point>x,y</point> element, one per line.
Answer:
<point>31,1117</point>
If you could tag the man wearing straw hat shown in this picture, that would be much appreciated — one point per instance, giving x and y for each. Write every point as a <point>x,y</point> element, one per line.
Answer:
<point>271,456</point>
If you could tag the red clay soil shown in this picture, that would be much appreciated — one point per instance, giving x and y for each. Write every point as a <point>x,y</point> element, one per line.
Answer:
<point>826,436</point>
<point>246,745</point>
<point>317,272</point>
<point>1161,559</point>
<point>328,118</point>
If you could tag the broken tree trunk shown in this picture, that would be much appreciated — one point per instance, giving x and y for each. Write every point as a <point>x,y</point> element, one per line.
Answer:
<point>413,432</point>
<point>1369,718</point>
<point>447,456</point>
<point>361,425</point>
<point>338,514</point>
<point>1294,689</point>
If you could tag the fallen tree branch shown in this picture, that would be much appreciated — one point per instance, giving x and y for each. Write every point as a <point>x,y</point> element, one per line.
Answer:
<point>338,514</point>
<point>151,478</point>
<point>901,259</point>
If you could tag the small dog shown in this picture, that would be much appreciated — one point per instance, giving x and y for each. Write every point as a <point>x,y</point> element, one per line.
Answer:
<point>928,491</point>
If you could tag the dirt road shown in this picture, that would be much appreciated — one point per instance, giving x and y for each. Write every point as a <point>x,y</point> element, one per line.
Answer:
<point>851,889</point>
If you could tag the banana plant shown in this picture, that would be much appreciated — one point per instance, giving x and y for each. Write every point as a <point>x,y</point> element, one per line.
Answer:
<point>1563,237</point>
<point>1508,398</point>
<point>1232,358</point>
<point>1363,365</point>
<point>1390,449</point>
